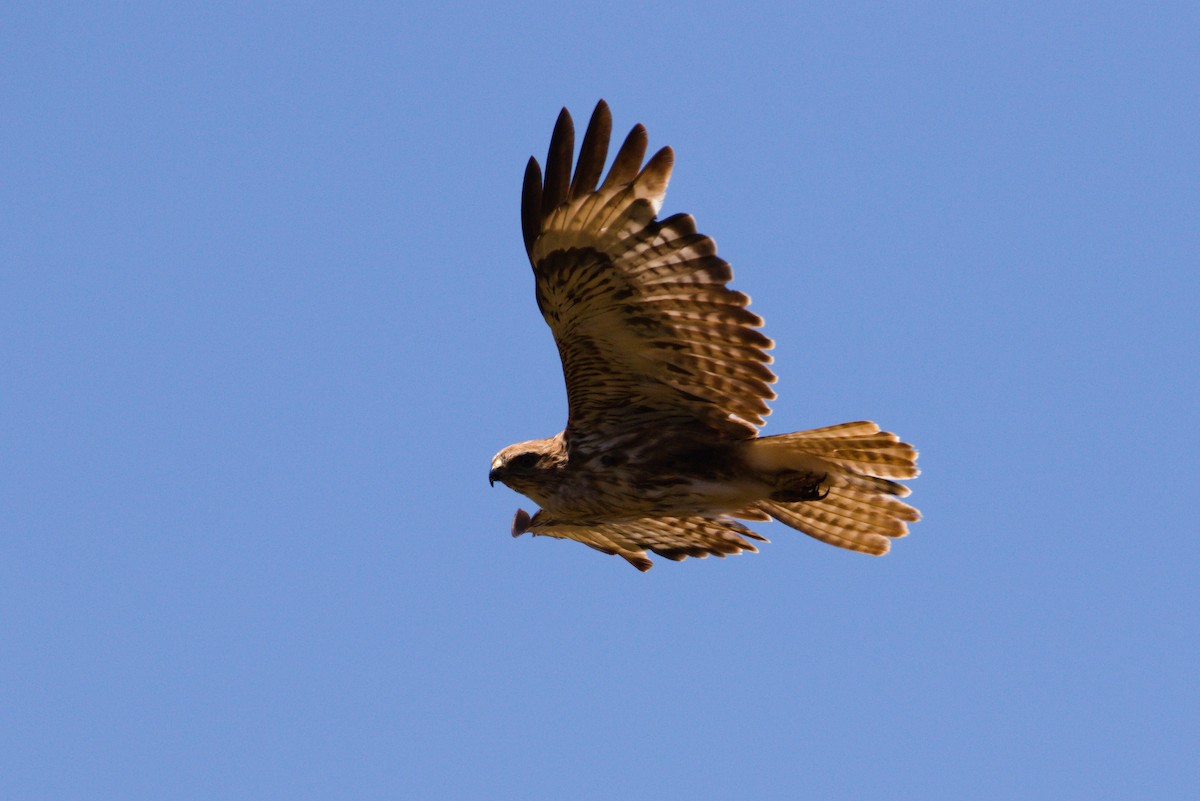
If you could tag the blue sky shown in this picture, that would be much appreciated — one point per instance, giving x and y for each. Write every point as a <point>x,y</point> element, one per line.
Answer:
<point>265,317</point>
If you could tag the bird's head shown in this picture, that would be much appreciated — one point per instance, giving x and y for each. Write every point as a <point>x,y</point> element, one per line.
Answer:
<point>526,466</point>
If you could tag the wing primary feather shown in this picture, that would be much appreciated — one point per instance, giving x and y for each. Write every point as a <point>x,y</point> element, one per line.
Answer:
<point>558,164</point>
<point>653,179</point>
<point>592,152</point>
<point>629,158</point>
<point>531,204</point>
<point>677,224</point>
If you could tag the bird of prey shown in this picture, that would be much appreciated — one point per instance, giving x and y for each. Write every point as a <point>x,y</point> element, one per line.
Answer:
<point>667,383</point>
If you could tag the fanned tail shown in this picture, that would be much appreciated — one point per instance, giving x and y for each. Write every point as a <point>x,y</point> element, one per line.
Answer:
<point>860,510</point>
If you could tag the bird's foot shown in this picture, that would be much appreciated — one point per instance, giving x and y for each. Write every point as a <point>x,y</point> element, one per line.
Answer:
<point>796,487</point>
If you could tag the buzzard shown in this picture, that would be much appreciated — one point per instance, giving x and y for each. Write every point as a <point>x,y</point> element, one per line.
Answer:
<point>667,383</point>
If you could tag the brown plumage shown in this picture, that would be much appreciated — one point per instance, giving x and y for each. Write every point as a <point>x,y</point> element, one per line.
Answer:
<point>667,383</point>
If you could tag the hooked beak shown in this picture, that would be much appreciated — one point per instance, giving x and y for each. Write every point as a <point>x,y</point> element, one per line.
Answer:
<point>493,474</point>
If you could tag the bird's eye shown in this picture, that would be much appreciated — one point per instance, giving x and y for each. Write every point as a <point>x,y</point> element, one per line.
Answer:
<point>523,461</point>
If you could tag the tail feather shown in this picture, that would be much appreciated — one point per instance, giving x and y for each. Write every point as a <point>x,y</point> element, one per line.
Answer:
<point>825,524</point>
<point>860,446</point>
<point>861,428</point>
<point>861,511</point>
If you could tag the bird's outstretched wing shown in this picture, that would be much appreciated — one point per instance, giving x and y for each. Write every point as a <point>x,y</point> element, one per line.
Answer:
<point>650,337</point>
<point>670,537</point>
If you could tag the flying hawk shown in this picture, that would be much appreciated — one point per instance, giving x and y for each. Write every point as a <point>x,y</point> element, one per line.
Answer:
<point>667,383</point>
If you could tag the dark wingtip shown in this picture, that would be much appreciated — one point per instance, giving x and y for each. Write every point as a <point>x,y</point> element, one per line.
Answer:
<point>531,203</point>
<point>628,161</point>
<point>655,176</point>
<point>558,163</point>
<point>593,152</point>
<point>520,522</point>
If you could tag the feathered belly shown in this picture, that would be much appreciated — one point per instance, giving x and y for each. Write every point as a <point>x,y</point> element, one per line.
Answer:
<point>624,497</point>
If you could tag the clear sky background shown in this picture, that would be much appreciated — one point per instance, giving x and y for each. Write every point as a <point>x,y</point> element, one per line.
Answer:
<point>265,317</point>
